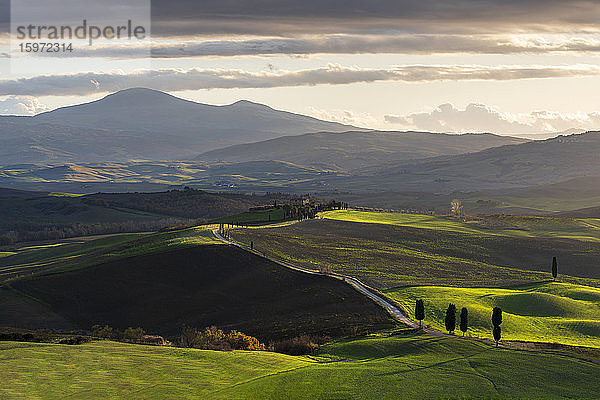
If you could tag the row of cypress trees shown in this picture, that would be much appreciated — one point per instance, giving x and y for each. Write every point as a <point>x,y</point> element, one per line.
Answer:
<point>450,320</point>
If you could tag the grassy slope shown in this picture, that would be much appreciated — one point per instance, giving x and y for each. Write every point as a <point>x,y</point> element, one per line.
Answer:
<point>387,255</point>
<point>547,312</point>
<point>373,367</point>
<point>110,370</point>
<point>54,258</point>
<point>450,253</point>
<point>566,228</point>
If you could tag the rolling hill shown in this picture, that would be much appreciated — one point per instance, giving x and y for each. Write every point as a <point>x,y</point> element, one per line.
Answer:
<point>199,286</point>
<point>528,164</point>
<point>370,367</point>
<point>539,312</point>
<point>353,150</point>
<point>385,250</point>
<point>145,124</point>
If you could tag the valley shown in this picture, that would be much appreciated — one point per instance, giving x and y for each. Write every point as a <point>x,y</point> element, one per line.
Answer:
<point>157,247</point>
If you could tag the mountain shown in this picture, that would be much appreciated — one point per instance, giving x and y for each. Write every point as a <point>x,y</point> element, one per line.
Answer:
<point>532,163</point>
<point>353,150</point>
<point>145,124</point>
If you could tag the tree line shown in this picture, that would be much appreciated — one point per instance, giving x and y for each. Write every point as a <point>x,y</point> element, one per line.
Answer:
<point>450,319</point>
<point>33,231</point>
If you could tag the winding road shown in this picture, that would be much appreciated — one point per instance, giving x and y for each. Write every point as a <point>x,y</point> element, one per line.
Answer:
<point>355,283</point>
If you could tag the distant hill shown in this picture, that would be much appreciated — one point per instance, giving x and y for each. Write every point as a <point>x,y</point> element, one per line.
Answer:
<point>528,164</point>
<point>259,176</point>
<point>588,212</point>
<point>352,150</point>
<point>145,124</point>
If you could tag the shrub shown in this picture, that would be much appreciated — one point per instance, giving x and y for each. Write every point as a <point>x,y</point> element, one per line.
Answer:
<point>299,345</point>
<point>240,341</point>
<point>74,340</point>
<point>100,331</point>
<point>189,337</point>
<point>212,338</point>
<point>133,333</point>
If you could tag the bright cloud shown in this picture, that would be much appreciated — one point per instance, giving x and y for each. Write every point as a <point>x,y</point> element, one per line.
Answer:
<point>21,105</point>
<point>483,118</point>
<point>346,117</point>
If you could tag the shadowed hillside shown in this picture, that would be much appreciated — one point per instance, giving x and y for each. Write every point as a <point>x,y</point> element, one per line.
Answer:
<point>527,164</point>
<point>352,150</point>
<point>205,285</point>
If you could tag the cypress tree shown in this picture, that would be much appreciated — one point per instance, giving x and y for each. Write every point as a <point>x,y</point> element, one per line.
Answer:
<point>450,319</point>
<point>497,334</point>
<point>420,312</point>
<point>554,268</point>
<point>464,320</point>
<point>496,321</point>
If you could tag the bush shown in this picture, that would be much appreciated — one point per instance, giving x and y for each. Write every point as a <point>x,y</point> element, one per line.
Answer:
<point>133,334</point>
<point>212,338</point>
<point>74,340</point>
<point>240,341</point>
<point>299,345</point>
<point>105,332</point>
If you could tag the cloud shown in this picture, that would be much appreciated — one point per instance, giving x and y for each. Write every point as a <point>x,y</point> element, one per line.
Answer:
<point>175,79</point>
<point>483,118</point>
<point>344,44</point>
<point>355,44</point>
<point>345,117</point>
<point>175,17</point>
<point>21,105</point>
<point>313,16</point>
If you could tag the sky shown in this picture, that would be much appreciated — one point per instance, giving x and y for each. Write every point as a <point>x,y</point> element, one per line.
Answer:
<point>529,67</point>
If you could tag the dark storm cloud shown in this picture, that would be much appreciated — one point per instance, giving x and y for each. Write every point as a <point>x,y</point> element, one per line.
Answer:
<point>4,16</point>
<point>171,17</point>
<point>277,17</point>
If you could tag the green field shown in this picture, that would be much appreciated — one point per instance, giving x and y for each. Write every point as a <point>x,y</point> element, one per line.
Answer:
<point>390,255</point>
<point>545,312</point>
<point>587,229</point>
<point>69,256</point>
<point>402,253</point>
<point>373,367</point>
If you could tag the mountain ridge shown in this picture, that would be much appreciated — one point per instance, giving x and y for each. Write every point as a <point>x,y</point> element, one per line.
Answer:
<point>143,123</point>
<point>355,149</point>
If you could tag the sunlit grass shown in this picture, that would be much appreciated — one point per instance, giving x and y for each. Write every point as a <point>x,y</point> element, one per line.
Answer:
<point>63,257</point>
<point>60,194</point>
<point>580,229</point>
<point>378,366</point>
<point>544,312</point>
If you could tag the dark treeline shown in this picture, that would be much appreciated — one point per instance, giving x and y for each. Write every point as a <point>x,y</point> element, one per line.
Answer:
<point>300,209</point>
<point>187,202</point>
<point>37,217</point>
<point>33,231</point>
<point>310,209</point>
